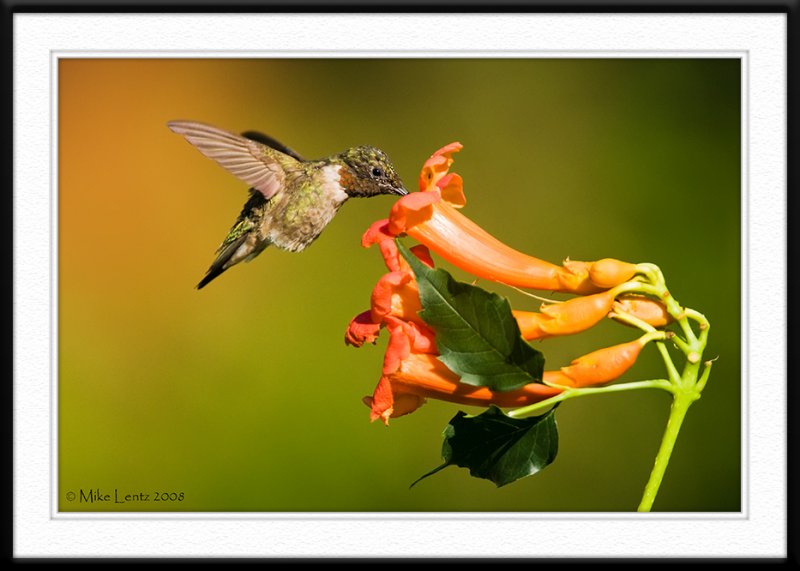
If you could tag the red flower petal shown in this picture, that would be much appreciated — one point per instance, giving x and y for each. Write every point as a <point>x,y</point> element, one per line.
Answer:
<point>411,210</point>
<point>398,349</point>
<point>437,165</point>
<point>362,330</point>
<point>385,404</point>
<point>381,401</point>
<point>452,188</point>
<point>422,253</point>
<point>421,337</point>
<point>376,233</point>
<point>396,293</point>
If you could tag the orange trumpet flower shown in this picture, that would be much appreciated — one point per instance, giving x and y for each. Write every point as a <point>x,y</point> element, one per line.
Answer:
<point>431,217</point>
<point>412,371</point>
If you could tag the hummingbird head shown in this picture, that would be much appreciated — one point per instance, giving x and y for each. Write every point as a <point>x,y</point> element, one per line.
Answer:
<point>369,173</point>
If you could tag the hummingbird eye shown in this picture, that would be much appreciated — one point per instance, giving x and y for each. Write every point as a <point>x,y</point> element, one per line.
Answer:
<point>377,172</point>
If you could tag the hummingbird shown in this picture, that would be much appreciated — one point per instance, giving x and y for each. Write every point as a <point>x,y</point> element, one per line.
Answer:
<point>291,199</point>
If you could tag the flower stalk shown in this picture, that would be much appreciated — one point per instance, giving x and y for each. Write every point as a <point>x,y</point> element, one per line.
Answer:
<point>686,386</point>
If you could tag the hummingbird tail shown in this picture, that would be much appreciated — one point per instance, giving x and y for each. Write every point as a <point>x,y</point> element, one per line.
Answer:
<point>212,273</point>
<point>225,259</point>
<point>243,249</point>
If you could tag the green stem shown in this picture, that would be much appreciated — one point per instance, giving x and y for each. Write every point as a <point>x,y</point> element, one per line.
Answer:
<point>688,332</point>
<point>680,344</point>
<point>680,405</point>
<point>631,320</point>
<point>672,370</point>
<point>697,316</point>
<point>701,384</point>
<point>582,392</point>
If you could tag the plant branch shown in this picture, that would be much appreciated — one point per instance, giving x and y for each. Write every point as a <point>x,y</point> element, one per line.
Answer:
<point>570,392</point>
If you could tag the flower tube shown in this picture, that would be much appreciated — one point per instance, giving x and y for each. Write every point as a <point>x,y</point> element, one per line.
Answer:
<point>420,376</point>
<point>431,217</point>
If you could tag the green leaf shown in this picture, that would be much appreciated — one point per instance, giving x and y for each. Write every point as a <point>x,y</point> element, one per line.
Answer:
<point>476,333</point>
<point>499,448</point>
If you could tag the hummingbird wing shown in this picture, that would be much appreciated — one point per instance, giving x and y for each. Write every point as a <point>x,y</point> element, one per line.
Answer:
<point>274,143</point>
<point>257,164</point>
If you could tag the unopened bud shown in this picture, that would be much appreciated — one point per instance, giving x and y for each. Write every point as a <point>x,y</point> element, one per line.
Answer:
<point>648,310</point>
<point>608,272</point>
<point>603,365</point>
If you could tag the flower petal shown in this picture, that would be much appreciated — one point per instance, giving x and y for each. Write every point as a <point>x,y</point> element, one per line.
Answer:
<point>362,330</point>
<point>421,337</point>
<point>451,187</point>
<point>411,210</point>
<point>385,404</point>
<point>378,233</point>
<point>396,293</point>
<point>398,349</point>
<point>422,252</point>
<point>437,165</point>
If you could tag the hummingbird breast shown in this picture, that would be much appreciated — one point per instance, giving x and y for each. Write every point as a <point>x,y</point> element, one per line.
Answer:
<point>296,217</point>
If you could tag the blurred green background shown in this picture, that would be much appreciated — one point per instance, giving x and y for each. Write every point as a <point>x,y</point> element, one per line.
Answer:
<point>244,397</point>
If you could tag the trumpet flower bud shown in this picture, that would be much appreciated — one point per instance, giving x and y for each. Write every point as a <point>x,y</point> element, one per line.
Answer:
<point>608,272</point>
<point>648,310</point>
<point>604,365</point>
<point>564,318</point>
